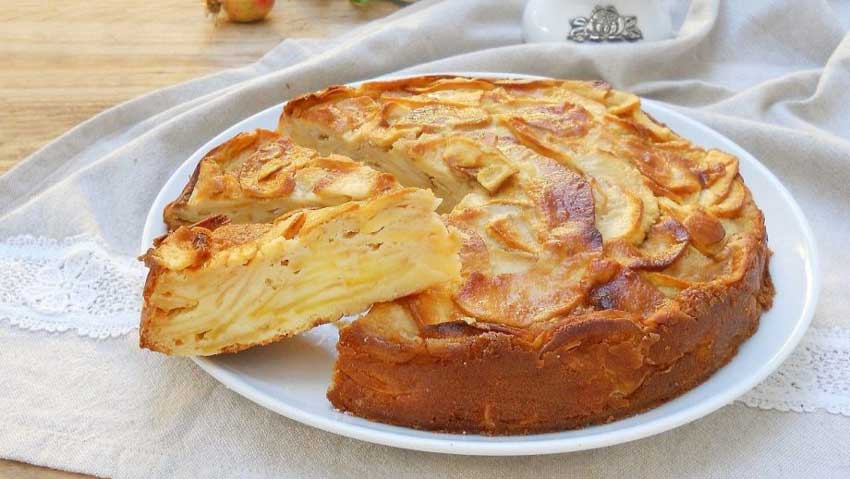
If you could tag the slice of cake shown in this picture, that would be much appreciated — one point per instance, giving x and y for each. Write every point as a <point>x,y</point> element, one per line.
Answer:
<point>216,287</point>
<point>257,176</point>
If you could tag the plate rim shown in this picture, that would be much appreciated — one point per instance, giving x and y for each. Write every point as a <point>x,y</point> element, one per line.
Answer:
<point>526,444</point>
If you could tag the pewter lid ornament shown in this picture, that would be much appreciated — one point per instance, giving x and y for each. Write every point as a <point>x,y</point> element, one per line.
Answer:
<point>605,24</point>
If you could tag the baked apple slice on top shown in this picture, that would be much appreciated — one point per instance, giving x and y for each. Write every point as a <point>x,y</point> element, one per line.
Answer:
<point>259,175</point>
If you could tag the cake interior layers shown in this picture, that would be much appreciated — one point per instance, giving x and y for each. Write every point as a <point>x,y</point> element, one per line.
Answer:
<point>222,288</point>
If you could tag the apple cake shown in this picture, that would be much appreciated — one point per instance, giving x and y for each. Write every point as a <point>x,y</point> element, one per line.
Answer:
<point>606,263</point>
<point>295,239</point>
<point>259,175</point>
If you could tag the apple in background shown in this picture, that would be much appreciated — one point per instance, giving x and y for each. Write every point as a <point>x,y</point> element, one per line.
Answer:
<point>242,11</point>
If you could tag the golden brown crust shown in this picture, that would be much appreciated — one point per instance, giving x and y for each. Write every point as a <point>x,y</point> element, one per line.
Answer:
<point>586,369</point>
<point>607,263</point>
<point>258,175</point>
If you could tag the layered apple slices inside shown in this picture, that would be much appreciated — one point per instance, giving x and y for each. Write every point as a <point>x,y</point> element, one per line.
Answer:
<point>227,282</point>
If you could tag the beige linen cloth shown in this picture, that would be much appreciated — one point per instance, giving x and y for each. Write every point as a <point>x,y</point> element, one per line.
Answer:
<point>774,76</point>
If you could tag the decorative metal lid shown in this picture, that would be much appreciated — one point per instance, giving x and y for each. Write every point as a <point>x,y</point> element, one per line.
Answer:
<point>605,24</point>
<point>591,22</point>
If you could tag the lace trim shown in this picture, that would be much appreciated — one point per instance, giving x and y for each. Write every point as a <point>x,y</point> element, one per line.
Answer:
<point>76,284</point>
<point>69,284</point>
<point>815,376</point>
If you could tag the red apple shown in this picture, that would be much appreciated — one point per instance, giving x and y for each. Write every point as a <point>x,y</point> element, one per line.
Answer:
<point>242,11</point>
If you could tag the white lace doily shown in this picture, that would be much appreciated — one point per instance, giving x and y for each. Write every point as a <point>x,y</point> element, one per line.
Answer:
<point>75,284</point>
<point>815,376</point>
<point>69,284</point>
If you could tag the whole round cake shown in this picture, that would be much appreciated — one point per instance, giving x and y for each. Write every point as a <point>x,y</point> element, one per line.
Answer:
<point>608,264</point>
<point>585,262</point>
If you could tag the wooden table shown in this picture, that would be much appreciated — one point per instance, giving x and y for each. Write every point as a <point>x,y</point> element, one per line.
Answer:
<point>66,60</point>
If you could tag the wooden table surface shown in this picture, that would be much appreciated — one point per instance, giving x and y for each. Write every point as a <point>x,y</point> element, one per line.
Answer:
<point>66,60</point>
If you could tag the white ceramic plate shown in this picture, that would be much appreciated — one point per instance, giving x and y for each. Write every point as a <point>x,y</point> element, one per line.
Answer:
<point>291,377</point>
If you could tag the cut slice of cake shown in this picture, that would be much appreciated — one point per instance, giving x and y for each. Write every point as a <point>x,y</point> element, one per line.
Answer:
<point>216,287</point>
<point>259,175</point>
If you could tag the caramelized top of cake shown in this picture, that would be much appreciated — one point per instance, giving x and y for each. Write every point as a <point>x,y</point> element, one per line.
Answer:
<point>259,175</point>
<point>570,199</point>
